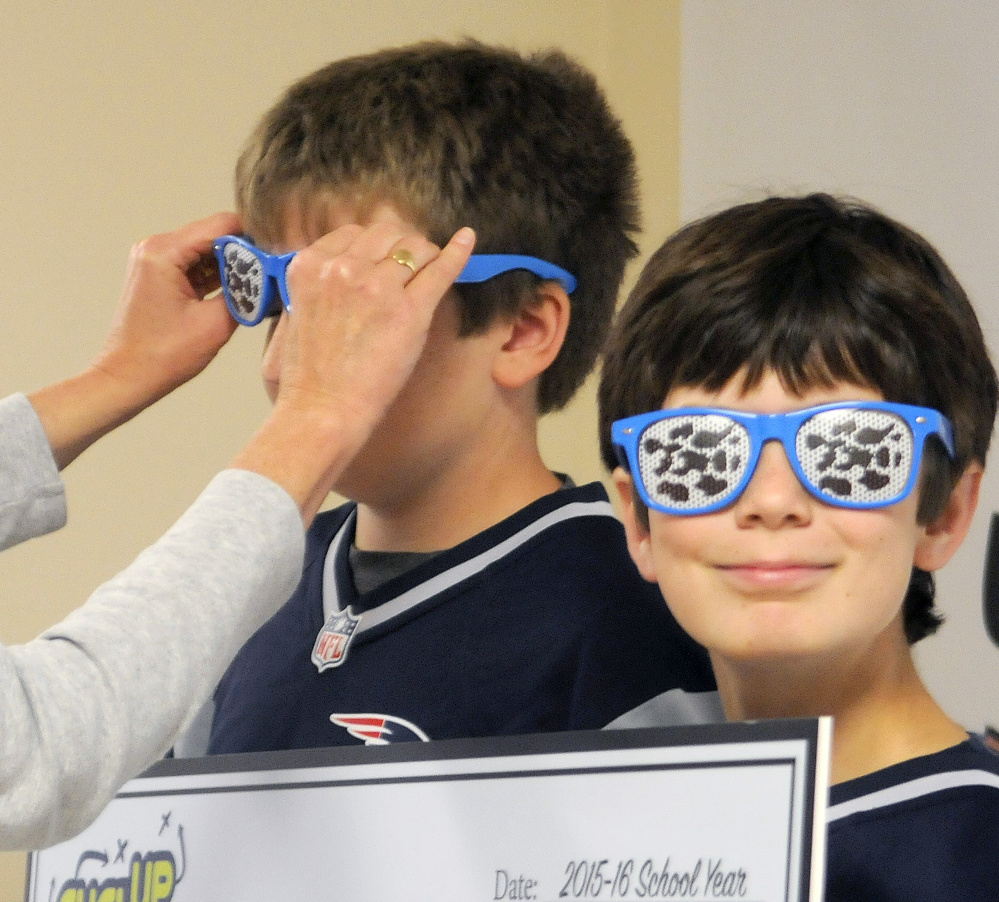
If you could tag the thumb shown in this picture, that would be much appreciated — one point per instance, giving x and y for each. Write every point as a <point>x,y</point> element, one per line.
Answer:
<point>434,279</point>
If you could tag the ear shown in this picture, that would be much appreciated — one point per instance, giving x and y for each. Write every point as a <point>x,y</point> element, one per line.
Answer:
<point>638,536</point>
<point>944,535</point>
<point>534,337</point>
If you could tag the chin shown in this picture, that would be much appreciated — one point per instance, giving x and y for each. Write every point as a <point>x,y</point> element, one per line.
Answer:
<point>773,641</point>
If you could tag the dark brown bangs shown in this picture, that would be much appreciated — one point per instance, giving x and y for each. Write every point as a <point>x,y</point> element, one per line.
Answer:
<point>806,313</point>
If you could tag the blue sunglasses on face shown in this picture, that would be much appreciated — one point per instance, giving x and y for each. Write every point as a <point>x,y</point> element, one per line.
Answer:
<point>856,454</point>
<point>250,276</point>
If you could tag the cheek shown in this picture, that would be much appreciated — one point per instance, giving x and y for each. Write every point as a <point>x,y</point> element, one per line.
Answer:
<point>881,546</point>
<point>883,540</point>
<point>681,547</point>
<point>691,540</point>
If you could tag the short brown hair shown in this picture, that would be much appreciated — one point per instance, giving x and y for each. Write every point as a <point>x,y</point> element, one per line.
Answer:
<point>818,290</point>
<point>523,149</point>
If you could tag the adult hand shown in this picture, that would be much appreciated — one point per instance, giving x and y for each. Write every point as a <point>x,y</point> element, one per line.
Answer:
<point>358,323</point>
<point>165,331</point>
<point>359,319</point>
<point>163,334</point>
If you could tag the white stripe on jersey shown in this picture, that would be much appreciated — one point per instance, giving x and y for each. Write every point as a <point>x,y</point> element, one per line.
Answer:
<point>914,789</point>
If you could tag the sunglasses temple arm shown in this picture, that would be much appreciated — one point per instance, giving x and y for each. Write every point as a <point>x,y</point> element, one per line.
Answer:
<point>622,458</point>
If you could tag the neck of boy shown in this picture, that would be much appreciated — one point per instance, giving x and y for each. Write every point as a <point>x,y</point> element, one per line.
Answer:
<point>456,501</point>
<point>882,713</point>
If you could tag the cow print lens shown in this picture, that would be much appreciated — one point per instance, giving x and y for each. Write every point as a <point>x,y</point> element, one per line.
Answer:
<point>856,455</point>
<point>693,461</point>
<point>244,281</point>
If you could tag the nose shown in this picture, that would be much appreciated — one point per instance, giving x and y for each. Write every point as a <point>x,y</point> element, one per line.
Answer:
<point>774,498</point>
<point>270,363</point>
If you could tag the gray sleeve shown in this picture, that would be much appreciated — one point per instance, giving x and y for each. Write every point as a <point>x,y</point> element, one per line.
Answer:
<point>93,701</point>
<point>32,500</point>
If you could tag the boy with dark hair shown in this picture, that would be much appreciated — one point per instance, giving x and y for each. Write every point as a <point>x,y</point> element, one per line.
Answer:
<point>798,402</point>
<point>465,590</point>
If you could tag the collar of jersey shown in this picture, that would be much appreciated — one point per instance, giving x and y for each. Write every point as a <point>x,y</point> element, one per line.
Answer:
<point>967,764</point>
<point>432,582</point>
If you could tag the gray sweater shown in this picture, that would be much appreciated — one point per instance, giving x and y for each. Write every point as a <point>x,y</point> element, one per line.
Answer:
<point>97,698</point>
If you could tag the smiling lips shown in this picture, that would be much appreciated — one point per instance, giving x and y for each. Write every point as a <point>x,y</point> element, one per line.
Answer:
<point>788,575</point>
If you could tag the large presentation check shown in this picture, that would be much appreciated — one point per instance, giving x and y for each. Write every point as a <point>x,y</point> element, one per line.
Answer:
<point>734,811</point>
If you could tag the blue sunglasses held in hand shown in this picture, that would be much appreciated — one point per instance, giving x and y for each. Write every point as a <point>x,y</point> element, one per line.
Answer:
<point>255,283</point>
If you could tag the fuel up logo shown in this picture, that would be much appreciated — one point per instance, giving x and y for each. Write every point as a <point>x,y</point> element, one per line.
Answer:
<point>137,877</point>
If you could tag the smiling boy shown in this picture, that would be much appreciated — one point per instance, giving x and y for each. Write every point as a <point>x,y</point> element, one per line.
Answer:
<point>465,589</point>
<point>798,402</point>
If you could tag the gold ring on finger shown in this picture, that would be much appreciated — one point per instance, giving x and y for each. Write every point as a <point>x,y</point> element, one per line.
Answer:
<point>405,258</point>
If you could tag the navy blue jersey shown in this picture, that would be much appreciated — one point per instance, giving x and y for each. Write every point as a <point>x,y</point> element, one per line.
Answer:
<point>540,623</point>
<point>925,829</point>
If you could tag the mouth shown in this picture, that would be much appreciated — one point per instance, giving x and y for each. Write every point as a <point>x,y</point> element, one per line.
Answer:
<point>789,575</point>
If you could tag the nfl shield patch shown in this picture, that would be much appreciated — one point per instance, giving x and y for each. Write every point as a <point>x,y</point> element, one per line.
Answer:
<point>333,640</point>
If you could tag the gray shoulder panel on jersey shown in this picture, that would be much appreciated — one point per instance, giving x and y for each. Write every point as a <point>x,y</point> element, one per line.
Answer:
<point>675,708</point>
<point>193,743</point>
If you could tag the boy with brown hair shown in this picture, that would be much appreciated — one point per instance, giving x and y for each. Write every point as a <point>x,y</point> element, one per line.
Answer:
<point>798,402</point>
<point>466,589</point>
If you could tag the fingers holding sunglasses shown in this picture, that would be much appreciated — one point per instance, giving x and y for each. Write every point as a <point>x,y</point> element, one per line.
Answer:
<point>383,257</point>
<point>386,248</point>
<point>163,332</point>
<point>407,256</point>
<point>437,275</point>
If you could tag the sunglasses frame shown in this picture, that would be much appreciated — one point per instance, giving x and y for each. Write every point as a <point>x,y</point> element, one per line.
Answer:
<point>482,267</point>
<point>923,422</point>
<point>275,271</point>
<point>479,268</point>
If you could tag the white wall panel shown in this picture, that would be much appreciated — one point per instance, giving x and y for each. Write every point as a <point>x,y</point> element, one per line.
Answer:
<point>895,102</point>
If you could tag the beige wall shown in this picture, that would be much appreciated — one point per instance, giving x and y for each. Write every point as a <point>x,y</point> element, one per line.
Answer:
<point>123,119</point>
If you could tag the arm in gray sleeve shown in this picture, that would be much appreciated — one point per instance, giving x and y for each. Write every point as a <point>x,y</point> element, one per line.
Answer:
<point>97,698</point>
<point>32,500</point>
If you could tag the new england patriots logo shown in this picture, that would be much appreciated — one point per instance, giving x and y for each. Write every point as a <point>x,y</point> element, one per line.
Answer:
<point>379,729</point>
<point>333,640</point>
